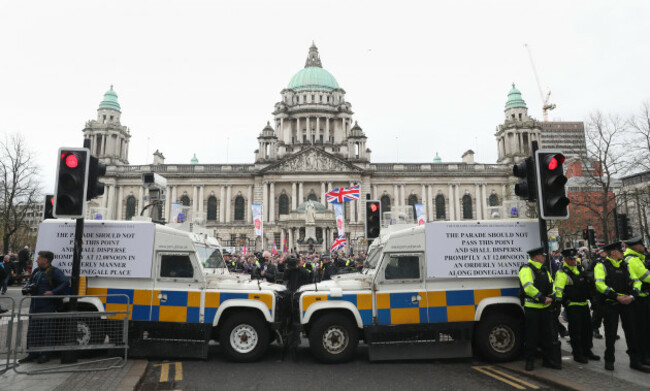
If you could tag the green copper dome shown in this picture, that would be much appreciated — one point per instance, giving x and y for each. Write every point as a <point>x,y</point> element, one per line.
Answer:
<point>313,76</point>
<point>437,159</point>
<point>194,160</point>
<point>514,99</point>
<point>110,101</point>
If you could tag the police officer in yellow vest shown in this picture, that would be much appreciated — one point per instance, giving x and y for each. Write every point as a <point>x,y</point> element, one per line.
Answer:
<point>537,284</point>
<point>614,281</point>
<point>637,263</point>
<point>572,289</point>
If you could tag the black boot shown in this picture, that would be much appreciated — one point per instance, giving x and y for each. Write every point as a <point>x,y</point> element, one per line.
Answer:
<point>609,365</point>
<point>590,355</point>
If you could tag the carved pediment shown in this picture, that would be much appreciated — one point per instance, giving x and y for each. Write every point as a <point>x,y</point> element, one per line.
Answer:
<point>312,160</point>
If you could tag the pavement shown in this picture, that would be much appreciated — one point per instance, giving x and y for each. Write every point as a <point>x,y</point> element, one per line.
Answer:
<point>591,376</point>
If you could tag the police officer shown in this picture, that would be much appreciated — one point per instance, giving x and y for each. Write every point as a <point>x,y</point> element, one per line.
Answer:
<point>597,300</point>
<point>327,269</point>
<point>638,266</point>
<point>537,285</point>
<point>572,290</point>
<point>230,263</point>
<point>613,280</point>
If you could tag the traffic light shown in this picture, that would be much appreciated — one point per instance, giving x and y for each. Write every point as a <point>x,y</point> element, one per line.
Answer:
<point>48,208</point>
<point>373,219</point>
<point>551,193</point>
<point>525,188</point>
<point>585,234</point>
<point>623,226</point>
<point>96,169</point>
<point>72,177</point>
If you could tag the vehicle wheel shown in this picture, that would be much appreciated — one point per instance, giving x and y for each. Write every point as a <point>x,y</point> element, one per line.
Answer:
<point>90,331</point>
<point>244,337</point>
<point>499,338</point>
<point>333,338</point>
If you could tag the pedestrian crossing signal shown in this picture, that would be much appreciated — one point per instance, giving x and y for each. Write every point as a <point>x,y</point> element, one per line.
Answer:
<point>373,219</point>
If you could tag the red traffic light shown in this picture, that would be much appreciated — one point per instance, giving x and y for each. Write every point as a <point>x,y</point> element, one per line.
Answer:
<point>552,165</point>
<point>70,160</point>
<point>555,161</point>
<point>52,200</point>
<point>374,207</point>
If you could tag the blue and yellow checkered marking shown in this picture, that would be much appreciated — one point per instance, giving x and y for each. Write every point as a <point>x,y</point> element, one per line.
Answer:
<point>399,308</point>
<point>180,306</point>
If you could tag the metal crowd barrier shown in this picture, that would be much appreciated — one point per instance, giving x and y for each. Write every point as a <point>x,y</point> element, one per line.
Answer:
<point>7,321</point>
<point>82,331</point>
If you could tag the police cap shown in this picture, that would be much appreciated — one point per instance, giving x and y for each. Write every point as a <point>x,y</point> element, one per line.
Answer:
<point>634,240</point>
<point>536,251</point>
<point>226,253</point>
<point>570,253</point>
<point>613,246</point>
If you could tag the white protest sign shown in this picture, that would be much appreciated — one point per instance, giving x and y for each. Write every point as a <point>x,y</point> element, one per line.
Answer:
<point>115,249</point>
<point>479,249</point>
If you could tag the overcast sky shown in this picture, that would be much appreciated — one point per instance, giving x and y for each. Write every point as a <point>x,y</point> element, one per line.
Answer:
<point>203,76</point>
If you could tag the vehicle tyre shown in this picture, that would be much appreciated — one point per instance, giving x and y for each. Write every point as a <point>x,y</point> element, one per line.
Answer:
<point>90,331</point>
<point>244,337</point>
<point>333,338</point>
<point>499,338</point>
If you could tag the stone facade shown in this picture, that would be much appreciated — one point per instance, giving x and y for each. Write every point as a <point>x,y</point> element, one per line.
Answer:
<point>312,147</point>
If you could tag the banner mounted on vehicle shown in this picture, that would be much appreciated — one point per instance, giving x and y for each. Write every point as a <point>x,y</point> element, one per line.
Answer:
<point>118,250</point>
<point>479,248</point>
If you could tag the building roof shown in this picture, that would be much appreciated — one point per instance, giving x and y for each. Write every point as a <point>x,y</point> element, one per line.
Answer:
<point>313,76</point>
<point>515,99</point>
<point>110,101</point>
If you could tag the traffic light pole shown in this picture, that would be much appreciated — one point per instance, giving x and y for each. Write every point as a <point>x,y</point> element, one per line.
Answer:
<point>543,233</point>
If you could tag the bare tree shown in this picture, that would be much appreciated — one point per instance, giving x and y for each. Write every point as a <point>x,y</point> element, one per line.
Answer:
<point>605,159</point>
<point>640,125</point>
<point>19,187</point>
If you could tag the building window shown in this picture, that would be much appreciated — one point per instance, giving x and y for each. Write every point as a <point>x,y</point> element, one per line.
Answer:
<point>467,207</point>
<point>313,99</point>
<point>283,204</point>
<point>440,207</point>
<point>239,208</point>
<point>413,199</point>
<point>321,98</point>
<point>212,208</point>
<point>493,200</point>
<point>185,200</point>
<point>385,203</point>
<point>130,207</point>
<point>312,197</point>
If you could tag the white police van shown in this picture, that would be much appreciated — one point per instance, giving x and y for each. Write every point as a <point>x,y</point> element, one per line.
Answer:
<point>440,290</point>
<point>176,306</point>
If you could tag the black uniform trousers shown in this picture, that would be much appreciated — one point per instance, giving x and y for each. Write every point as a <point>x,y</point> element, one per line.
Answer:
<point>611,313</point>
<point>597,307</point>
<point>641,308</point>
<point>580,330</point>
<point>540,330</point>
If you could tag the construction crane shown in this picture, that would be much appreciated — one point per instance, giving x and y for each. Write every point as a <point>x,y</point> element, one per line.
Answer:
<point>546,106</point>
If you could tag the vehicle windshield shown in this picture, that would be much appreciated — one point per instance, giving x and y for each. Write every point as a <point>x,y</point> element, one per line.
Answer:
<point>210,258</point>
<point>373,257</point>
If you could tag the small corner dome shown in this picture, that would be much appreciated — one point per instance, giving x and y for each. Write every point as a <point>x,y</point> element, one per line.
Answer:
<point>110,101</point>
<point>194,160</point>
<point>515,99</point>
<point>437,159</point>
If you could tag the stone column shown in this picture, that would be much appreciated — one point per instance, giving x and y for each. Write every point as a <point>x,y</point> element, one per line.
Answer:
<point>272,204</point>
<point>457,201</point>
<point>374,194</point>
<point>298,132</point>
<point>318,127</point>
<point>105,200</point>
<point>301,193</point>
<point>195,196</point>
<point>140,203</point>
<point>201,199</point>
<point>353,209</point>
<point>451,206</point>
<point>431,207</point>
<point>425,202</point>
<point>222,205</point>
<point>249,205</point>
<point>294,196</point>
<point>265,201</point>
<point>329,205</point>
<point>308,130</point>
<point>281,244</point>
<point>402,193</point>
<point>323,199</point>
<point>120,200</point>
<point>479,204</point>
<point>327,129</point>
<point>290,244</point>
<point>168,203</point>
<point>228,202</point>
<point>484,201</point>
<point>396,195</point>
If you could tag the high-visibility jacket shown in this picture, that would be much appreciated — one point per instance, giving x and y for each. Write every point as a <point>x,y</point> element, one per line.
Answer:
<point>638,270</point>
<point>613,279</point>
<point>537,284</point>
<point>571,285</point>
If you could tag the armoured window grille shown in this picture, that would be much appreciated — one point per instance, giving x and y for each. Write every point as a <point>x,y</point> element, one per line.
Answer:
<point>493,200</point>
<point>440,207</point>
<point>385,203</point>
<point>283,204</point>
<point>239,208</point>
<point>130,207</point>
<point>212,208</point>
<point>467,207</point>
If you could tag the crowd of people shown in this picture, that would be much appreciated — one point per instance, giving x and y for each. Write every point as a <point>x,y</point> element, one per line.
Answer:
<point>593,289</point>
<point>312,267</point>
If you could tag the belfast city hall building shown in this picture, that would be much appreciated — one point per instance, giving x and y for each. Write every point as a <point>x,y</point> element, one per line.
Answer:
<point>311,146</point>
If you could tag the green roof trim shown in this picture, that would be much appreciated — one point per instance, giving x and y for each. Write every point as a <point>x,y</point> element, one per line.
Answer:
<point>515,99</point>
<point>110,101</point>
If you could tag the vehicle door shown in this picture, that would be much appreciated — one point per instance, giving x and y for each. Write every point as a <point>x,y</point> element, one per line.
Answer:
<point>178,293</point>
<point>400,296</point>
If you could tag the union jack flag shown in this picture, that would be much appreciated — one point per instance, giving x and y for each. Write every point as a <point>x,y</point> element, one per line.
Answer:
<point>343,194</point>
<point>339,243</point>
<point>275,249</point>
<point>244,250</point>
